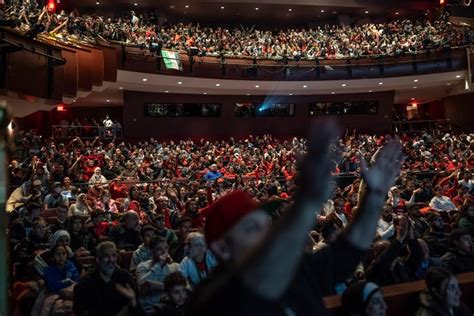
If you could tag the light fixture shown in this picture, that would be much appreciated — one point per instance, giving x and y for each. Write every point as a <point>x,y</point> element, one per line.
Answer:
<point>370,91</point>
<point>204,93</point>
<point>289,10</point>
<point>412,99</point>
<point>380,83</point>
<point>415,87</point>
<point>222,8</point>
<point>135,4</point>
<point>218,84</point>
<point>74,100</point>
<point>166,91</point>
<point>305,86</point>
<point>366,12</point>
<point>120,88</point>
<point>416,80</point>
<point>108,101</point>
<point>290,94</point>
<point>144,79</point>
<point>256,9</point>
<point>333,92</point>
<point>343,85</point>
<point>186,6</point>
<point>322,11</point>
<point>396,13</point>
<point>448,84</point>
<point>247,94</point>
<point>97,3</point>
<point>180,82</point>
<point>257,86</point>
<point>458,76</point>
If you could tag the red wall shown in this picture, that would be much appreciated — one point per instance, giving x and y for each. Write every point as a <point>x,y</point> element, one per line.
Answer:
<point>136,125</point>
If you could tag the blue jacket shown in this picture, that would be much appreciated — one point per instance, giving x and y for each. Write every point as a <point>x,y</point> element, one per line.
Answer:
<point>58,279</point>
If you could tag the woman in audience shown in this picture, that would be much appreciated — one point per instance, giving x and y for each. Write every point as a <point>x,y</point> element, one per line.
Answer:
<point>442,296</point>
<point>82,242</point>
<point>363,299</point>
<point>81,207</point>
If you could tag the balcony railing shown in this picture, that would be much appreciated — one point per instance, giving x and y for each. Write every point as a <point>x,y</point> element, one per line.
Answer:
<point>421,125</point>
<point>86,132</point>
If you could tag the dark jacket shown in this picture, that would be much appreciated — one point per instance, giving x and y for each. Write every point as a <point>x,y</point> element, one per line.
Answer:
<point>458,262</point>
<point>167,308</point>
<point>432,306</point>
<point>438,242</point>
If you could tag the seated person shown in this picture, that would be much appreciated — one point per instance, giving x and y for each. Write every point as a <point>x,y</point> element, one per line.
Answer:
<point>442,295</point>
<point>62,273</point>
<point>199,262</point>
<point>61,219</point>
<point>55,198</point>
<point>161,230</point>
<point>82,242</point>
<point>152,273</point>
<point>363,299</point>
<point>108,290</point>
<point>436,238</point>
<point>176,296</point>
<point>126,236</point>
<point>143,253</point>
<point>460,258</point>
<point>440,202</point>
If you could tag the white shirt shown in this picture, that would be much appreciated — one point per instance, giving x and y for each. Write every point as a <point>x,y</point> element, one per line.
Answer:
<point>384,229</point>
<point>442,204</point>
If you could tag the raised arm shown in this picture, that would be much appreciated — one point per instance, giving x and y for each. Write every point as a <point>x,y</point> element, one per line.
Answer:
<point>376,182</point>
<point>280,253</point>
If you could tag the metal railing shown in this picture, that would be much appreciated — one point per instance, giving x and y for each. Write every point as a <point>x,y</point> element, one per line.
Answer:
<point>86,132</point>
<point>421,125</point>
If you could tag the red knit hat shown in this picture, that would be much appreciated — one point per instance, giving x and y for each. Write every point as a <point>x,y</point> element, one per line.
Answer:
<point>226,212</point>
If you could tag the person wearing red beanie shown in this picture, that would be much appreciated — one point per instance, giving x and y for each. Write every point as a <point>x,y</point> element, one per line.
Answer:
<point>263,268</point>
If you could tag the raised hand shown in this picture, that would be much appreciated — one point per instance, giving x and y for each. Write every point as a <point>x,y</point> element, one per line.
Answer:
<point>381,175</point>
<point>316,166</point>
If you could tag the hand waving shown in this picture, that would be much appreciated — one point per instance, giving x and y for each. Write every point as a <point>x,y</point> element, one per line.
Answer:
<point>381,175</point>
<point>316,166</point>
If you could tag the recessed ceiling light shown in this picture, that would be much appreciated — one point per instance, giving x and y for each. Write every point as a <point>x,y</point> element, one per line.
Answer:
<point>416,80</point>
<point>343,85</point>
<point>257,86</point>
<point>290,10</point>
<point>412,99</point>
<point>204,93</point>
<point>218,84</point>
<point>120,88</point>
<point>222,8</point>
<point>97,3</point>
<point>186,6</point>
<point>144,79</point>
<point>322,11</point>
<point>366,12</point>
<point>108,101</point>
<point>333,92</point>
<point>396,13</point>
<point>448,84</point>
<point>415,87</point>
<point>305,86</point>
<point>290,94</point>
<point>248,94</point>
<point>135,4</point>
<point>380,83</point>
<point>167,91</point>
<point>458,76</point>
<point>256,9</point>
<point>370,91</point>
<point>74,100</point>
<point>180,82</point>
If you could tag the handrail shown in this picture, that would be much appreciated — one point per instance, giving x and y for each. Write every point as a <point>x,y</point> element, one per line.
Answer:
<point>421,124</point>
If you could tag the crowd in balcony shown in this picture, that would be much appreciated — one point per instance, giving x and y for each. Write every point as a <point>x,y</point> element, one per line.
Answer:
<point>393,38</point>
<point>160,216</point>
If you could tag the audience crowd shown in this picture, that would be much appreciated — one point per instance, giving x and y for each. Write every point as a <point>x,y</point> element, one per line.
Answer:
<point>143,207</point>
<point>396,37</point>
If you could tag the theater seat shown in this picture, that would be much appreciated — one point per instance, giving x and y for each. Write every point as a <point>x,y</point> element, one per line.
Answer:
<point>87,262</point>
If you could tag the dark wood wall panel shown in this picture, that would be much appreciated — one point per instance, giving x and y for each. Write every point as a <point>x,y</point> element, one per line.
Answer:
<point>71,72</point>
<point>97,66</point>
<point>110,55</point>
<point>84,63</point>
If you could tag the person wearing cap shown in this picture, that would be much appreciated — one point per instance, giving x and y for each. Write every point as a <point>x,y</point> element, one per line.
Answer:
<point>363,299</point>
<point>126,236</point>
<point>460,258</point>
<point>263,270</point>
<point>55,199</point>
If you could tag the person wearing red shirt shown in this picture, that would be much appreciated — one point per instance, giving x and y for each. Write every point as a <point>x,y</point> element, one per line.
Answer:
<point>118,189</point>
